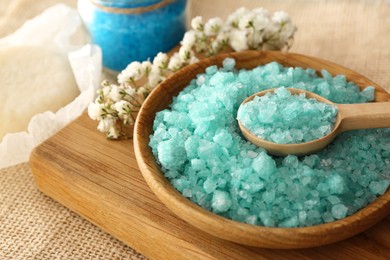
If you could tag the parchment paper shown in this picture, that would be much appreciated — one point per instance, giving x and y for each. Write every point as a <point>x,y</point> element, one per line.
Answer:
<point>58,28</point>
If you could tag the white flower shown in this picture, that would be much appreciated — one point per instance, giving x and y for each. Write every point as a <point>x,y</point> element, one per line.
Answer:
<point>271,29</point>
<point>238,40</point>
<point>135,68</point>
<point>123,107</point>
<point>125,76</point>
<point>142,93</point>
<point>257,38</point>
<point>246,21</point>
<point>161,60</point>
<point>122,77</point>
<point>287,32</point>
<point>213,26</point>
<point>185,53</point>
<point>95,111</point>
<point>116,93</point>
<point>132,72</point>
<point>175,62</point>
<point>260,22</point>
<point>220,41</point>
<point>201,43</point>
<point>154,77</point>
<point>281,17</point>
<point>232,19</point>
<point>113,132</point>
<point>222,37</point>
<point>146,67</point>
<point>130,94</point>
<point>197,23</point>
<point>105,124</point>
<point>215,46</point>
<point>129,91</point>
<point>106,91</point>
<point>189,39</point>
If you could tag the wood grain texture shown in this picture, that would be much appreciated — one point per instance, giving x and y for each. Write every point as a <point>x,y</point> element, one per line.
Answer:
<point>227,229</point>
<point>363,116</point>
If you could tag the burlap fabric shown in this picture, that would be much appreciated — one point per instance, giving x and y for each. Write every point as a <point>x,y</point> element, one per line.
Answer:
<point>353,33</point>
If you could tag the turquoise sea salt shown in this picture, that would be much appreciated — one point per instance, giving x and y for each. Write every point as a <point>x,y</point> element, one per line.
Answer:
<point>202,152</point>
<point>283,118</point>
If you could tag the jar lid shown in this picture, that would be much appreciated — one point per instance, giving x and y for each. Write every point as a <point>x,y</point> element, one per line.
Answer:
<point>126,3</point>
<point>130,6</point>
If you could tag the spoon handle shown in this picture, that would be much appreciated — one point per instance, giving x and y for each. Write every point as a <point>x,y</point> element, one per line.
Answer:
<point>363,116</point>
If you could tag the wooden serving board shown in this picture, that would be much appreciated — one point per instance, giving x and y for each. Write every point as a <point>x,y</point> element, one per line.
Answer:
<point>100,180</point>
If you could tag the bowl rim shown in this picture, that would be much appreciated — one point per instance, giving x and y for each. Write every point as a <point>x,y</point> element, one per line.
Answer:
<point>242,233</point>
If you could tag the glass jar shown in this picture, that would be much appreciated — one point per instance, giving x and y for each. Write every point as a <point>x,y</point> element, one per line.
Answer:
<point>133,30</point>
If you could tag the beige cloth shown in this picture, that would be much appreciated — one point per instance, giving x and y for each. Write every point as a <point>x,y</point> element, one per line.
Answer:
<point>33,226</point>
<point>352,33</point>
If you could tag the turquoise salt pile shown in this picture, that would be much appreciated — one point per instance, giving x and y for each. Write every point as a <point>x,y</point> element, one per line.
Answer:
<point>283,118</point>
<point>201,151</point>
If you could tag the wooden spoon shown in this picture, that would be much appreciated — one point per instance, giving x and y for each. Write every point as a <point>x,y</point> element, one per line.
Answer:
<point>350,117</point>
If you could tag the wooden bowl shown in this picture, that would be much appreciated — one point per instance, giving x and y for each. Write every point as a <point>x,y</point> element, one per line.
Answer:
<point>251,235</point>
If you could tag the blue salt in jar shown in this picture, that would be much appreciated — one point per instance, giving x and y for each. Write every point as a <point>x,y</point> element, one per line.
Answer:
<point>133,30</point>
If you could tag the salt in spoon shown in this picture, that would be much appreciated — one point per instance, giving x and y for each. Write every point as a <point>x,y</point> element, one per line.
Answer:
<point>349,117</point>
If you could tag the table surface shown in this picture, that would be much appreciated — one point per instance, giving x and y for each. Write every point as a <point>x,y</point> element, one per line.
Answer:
<point>351,33</point>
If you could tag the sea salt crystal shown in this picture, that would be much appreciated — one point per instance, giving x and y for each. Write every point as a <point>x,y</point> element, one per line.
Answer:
<point>207,150</point>
<point>201,151</point>
<point>290,161</point>
<point>264,166</point>
<point>209,185</point>
<point>302,215</point>
<point>223,138</point>
<point>252,154</point>
<point>221,201</point>
<point>251,219</point>
<point>339,211</point>
<point>228,63</point>
<point>290,222</point>
<point>327,217</point>
<point>171,155</point>
<point>369,93</point>
<point>198,164</point>
<point>187,193</point>
<point>379,187</point>
<point>200,80</point>
<point>266,218</point>
<point>268,196</point>
<point>191,145</point>
<point>305,180</point>
<point>336,184</point>
<point>333,199</point>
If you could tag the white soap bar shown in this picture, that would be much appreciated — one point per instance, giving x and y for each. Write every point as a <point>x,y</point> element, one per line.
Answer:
<point>32,80</point>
